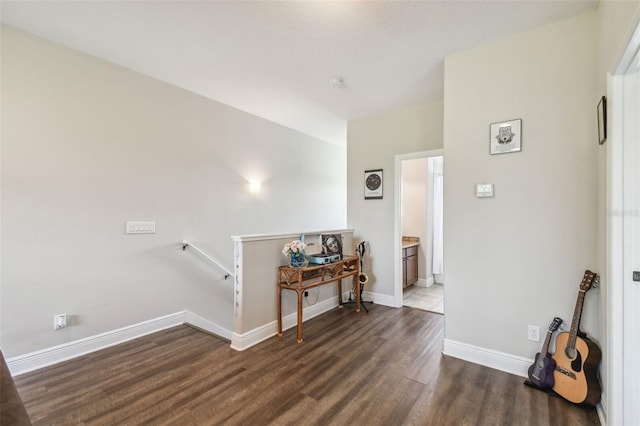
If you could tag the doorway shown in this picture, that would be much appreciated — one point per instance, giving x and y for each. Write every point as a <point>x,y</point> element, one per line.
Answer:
<point>419,273</point>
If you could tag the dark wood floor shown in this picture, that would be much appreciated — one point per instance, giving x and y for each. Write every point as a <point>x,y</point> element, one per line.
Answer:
<point>381,368</point>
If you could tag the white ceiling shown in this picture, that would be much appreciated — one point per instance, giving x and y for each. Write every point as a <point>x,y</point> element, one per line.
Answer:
<point>274,58</point>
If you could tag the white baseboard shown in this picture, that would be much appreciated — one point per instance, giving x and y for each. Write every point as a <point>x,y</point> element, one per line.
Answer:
<point>204,324</point>
<point>422,282</point>
<point>379,299</point>
<point>489,358</point>
<point>241,342</point>
<point>601,409</point>
<point>35,360</point>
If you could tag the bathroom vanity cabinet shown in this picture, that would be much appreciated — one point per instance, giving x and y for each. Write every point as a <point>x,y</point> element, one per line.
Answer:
<point>409,265</point>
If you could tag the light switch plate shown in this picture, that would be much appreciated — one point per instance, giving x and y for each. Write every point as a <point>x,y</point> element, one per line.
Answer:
<point>484,190</point>
<point>141,227</point>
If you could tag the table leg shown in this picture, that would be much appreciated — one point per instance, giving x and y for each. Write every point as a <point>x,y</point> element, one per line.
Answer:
<point>300,292</point>
<point>279,311</point>
<point>339,285</point>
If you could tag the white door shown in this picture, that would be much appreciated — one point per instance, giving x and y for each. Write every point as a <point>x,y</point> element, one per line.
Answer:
<point>631,227</point>
<point>623,313</point>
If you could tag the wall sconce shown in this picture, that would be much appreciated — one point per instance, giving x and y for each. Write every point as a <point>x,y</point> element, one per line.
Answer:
<point>254,187</point>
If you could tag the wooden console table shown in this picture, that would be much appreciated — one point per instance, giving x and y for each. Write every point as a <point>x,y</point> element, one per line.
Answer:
<point>302,279</point>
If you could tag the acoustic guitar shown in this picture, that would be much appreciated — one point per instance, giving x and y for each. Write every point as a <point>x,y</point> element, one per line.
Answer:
<point>541,371</point>
<point>577,358</point>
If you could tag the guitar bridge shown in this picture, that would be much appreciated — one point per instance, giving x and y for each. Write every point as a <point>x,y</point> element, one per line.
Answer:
<point>566,372</point>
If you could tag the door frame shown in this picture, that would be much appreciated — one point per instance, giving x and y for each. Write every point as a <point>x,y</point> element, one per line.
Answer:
<point>622,320</point>
<point>397,218</point>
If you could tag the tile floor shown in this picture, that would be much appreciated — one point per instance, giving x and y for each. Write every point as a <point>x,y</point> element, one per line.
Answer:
<point>425,298</point>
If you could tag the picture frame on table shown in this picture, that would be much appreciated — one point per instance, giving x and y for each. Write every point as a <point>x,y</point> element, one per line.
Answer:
<point>331,244</point>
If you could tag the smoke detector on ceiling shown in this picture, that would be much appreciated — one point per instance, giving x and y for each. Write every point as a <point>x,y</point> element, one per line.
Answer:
<point>336,82</point>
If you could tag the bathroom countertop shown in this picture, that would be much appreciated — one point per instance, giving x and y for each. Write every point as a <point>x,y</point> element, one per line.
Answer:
<point>410,242</point>
<point>407,245</point>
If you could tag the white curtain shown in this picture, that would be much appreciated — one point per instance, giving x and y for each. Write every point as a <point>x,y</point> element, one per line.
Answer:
<point>438,251</point>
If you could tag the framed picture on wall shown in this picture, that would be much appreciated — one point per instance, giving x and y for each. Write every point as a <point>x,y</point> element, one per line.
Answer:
<point>505,137</point>
<point>373,184</point>
<point>602,120</point>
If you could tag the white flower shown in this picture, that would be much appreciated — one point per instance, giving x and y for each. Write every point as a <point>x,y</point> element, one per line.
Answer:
<point>295,247</point>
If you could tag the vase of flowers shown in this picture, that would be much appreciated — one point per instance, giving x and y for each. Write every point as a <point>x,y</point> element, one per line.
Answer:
<point>296,250</point>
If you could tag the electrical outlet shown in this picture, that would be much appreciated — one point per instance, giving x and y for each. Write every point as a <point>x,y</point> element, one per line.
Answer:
<point>534,333</point>
<point>59,321</point>
<point>306,294</point>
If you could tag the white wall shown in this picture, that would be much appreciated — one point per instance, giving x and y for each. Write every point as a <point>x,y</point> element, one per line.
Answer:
<point>414,207</point>
<point>87,146</point>
<point>373,143</point>
<point>518,258</point>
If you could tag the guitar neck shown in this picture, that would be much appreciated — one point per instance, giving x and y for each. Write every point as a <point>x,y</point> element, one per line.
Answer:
<point>575,323</point>
<point>547,340</point>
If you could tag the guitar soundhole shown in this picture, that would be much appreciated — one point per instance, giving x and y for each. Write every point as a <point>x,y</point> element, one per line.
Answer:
<point>576,364</point>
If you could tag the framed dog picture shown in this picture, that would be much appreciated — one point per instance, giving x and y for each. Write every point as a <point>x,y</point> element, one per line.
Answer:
<point>373,184</point>
<point>505,137</point>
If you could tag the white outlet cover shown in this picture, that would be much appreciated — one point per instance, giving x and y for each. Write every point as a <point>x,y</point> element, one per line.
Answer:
<point>59,321</point>
<point>533,333</point>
